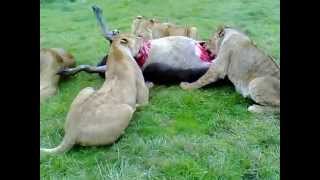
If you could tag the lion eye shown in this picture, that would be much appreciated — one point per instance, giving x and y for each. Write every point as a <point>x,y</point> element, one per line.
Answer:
<point>124,41</point>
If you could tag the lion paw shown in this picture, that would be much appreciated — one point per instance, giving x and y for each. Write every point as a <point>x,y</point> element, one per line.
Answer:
<point>255,109</point>
<point>185,86</point>
<point>149,85</point>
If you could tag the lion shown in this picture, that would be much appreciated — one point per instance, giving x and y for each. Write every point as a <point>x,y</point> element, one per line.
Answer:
<point>100,117</point>
<point>253,73</point>
<point>52,60</point>
<point>154,29</point>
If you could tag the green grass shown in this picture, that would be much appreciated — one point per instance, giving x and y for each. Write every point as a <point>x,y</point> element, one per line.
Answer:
<point>203,134</point>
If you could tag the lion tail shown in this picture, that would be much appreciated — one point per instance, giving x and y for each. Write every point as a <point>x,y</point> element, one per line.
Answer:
<point>66,144</point>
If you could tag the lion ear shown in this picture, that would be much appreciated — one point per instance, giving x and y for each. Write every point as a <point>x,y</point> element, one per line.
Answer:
<point>220,30</point>
<point>124,41</point>
<point>139,17</point>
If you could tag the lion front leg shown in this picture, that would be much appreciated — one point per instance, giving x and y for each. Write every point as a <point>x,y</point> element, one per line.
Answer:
<point>209,77</point>
<point>142,89</point>
<point>217,70</point>
<point>143,94</point>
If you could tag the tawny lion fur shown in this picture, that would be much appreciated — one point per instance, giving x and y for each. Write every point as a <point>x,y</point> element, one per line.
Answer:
<point>51,61</point>
<point>154,29</point>
<point>100,117</point>
<point>253,73</point>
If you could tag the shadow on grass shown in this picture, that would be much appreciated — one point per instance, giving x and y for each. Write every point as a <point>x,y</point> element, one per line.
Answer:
<point>219,84</point>
<point>78,148</point>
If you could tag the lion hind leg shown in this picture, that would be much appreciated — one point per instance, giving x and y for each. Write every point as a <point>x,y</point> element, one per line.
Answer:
<point>266,92</point>
<point>82,96</point>
<point>108,125</point>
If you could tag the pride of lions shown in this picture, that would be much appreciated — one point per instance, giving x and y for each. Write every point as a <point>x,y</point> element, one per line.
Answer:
<point>155,53</point>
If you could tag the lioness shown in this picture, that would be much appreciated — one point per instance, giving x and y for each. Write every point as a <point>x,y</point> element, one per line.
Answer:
<point>153,29</point>
<point>51,61</point>
<point>253,73</point>
<point>100,117</point>
<point>164,60</point>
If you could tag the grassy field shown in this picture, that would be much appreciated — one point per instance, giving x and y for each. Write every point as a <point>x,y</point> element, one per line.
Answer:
<point>203,134</point>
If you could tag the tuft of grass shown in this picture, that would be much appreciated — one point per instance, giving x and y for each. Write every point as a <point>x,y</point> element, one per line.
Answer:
<point>201,134</point>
